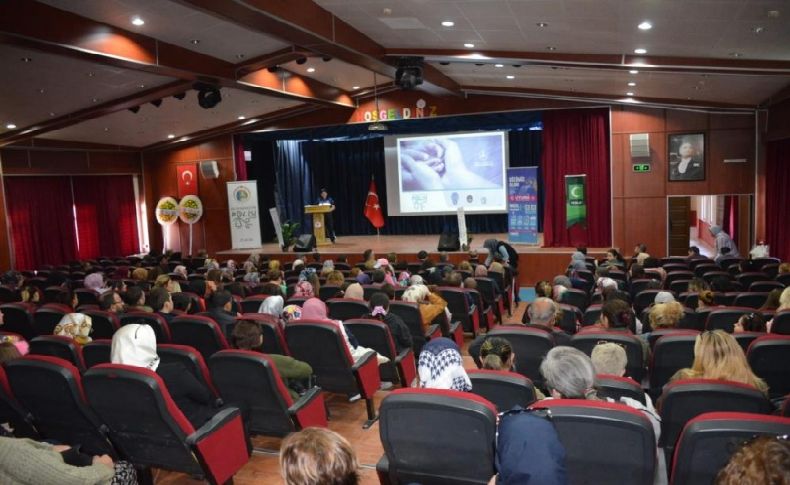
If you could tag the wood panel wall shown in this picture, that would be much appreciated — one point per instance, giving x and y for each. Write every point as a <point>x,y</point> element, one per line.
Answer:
<point>640,199</point>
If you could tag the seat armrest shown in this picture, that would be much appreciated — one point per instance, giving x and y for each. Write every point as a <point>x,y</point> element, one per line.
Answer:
<point>407,367</point>
<point>221,445</point>
<point>366,371</point>
<point>383,471</point>
<point>433,331</point>
<point>359,363</point>
<point>309,410</point>
<point>403,354</point>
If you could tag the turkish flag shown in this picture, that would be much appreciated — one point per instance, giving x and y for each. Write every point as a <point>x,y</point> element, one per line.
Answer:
<point>187,179</point>
<point>373,208</point>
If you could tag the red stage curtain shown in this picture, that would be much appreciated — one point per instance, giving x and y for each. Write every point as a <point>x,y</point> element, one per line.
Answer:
<point>576,142</point>
<point>730,219</point>
<point>106,216</point>
<point>777,198</point>
<point>238,157</point>
<point>42,220</point>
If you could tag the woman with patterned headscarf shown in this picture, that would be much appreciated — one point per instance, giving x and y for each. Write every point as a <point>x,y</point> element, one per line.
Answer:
<point>442,367</point>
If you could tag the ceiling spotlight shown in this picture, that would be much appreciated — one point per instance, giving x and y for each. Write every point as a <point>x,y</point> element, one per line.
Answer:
<point>10,126</point>
<point>629,93</point>
<point>240,56</point>
<point>354,87</point>
<point>542,24</point>
<point>645,25</point>
<point>448,23</point>
<point>208,96</point>
<point>773,14</point>
<point>180,96</point>
<point>137,21</point>
<point>326,58</point>
<point>134,109</point>
<point>499,65</point>
<point>633,71</point>
<point>51,114</point>
<point>141,86</point>
<point>194,41</point>
<point>551,48</point>
<point>516,65</point>
<point>510,76</point>
<point>632,84</point>
<point>758,30</point>
<point>301,60</point>
<point>444,63</point>
<point>106,129</point>
<point>95,100</point>
<point>469,45</point>
<point>242,117</point>
<point>310,69</point>
<point>41,91</point>
<point>91,74</point>
<point>26,59</point>
<point>171,136</point>
<point>157,102</point>
<point>736,54</point>
<point>273,68</point>
<point>640,51</point>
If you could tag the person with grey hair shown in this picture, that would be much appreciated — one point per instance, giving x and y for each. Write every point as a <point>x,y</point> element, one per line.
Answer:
<point>542,313</point>
<point>723,240</point>
<point>610,359</point>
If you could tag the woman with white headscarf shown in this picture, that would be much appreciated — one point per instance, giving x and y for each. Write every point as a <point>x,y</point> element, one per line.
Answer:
<point>723,240</point>
<point>135,345</point>
<point>273,305</point>
<point>442,367</point>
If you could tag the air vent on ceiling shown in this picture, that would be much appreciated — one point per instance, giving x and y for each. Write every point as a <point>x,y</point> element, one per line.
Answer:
<point>402,23</point>
<point>640,145</point>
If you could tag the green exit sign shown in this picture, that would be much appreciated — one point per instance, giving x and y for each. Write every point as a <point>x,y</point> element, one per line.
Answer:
<point>641,167</point>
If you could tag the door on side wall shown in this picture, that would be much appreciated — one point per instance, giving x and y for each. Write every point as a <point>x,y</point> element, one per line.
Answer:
<point>679,221</point>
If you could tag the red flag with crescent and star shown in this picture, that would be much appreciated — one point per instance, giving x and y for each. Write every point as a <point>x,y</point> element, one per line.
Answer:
<point>372,207</point>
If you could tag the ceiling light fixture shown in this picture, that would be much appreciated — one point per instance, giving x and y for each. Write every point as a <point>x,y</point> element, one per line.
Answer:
<point>551,48</point>
<point>469,45</point>
<point>171,136</point>
<point>645,25</point>
<point>758,30</point>
<point>141,86</point>
<point>632,84</point>
<point>137,21</point>
<point>91,74</point>
<point>326,58</point>
<point>208,96</point>
<point>736,54</point>
<point>273,69</point>
<point>510,76</point>
<point>640,51</point>
<point>633,71</point>
<point>26,59</point>
<point>10,126</point>
<point>41,91</point>
<point>448,23</point>
<point>51,113</point>
<point>310,69</point>
<point>106,129</point>
<point>242,117</point>
<point>354,87</point>
<point>542,24</point>
<point>499,65</point>
<point>629,93</point>
<point>194,41</point>
<point>240,56</point>
<point>95,100</point>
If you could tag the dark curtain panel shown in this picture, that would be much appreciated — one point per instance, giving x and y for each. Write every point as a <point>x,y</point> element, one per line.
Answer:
<point>577,142</point>
<point>238,158</point>
<point>730,219</point>
<point>106,216</point>
<point>41,219</point>
<point>777,198</point>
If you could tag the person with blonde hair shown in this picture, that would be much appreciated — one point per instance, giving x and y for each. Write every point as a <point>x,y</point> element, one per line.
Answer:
<point>717,355</point>
<point>784,304</point>
<point>705,299</point>
<point>666,315</point>
<point>431,305</point>
<point>497,354</point>
<point>335,278</point>
<point>763,460</point>
<point>318,456</point>
<point>609,358</point>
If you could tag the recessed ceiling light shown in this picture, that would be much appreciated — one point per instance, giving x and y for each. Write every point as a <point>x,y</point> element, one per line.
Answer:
<point>509,76</point>
<point>354,87</point>
<point>633,71</point>
<point>106,129</point>
<point>310,69</point>
<point>542,24</point>
<point>26,59</point>
<point>184,138</point>
<point>499,65</point>
<point>632,84</point>
<point>640,51</point>
<point>242,117</point>
<point>51,113</point>
<point>736,54</point>
<point>171,136</point>
<point>10,126</point>
<point>448,23</point>
<point>91,74</point>
<point>95,100</point>
<point>141,86</point>
<point>137,21</point>
<point>42,91</point>
<point>645,25</point>
<point>758,30</point>
<point>629,93</point>
<point>195,41</point>
<point>551,48</point>
<point>240,56</point>
<point>469,45</point>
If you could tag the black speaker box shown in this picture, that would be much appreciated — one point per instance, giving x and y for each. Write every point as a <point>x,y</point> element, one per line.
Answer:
<point>305,243</point>
<point>449,241</point>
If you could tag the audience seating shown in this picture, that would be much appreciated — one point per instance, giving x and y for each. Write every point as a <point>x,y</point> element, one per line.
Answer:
<point>436,436</point>
<point>615,387</point>
<point>198,303</point>
<point>685,399</point>
<point>11,412</point>
<point>157,322</point>
<point>571,316</point>
<point>591,315</point>
<point>708,441</point>
<point>51,389</point>
<point>765,286</point>
<point>492,301</point>
<point>150,431</point>
<point>780,325</point>
<point>327,292</point>
<point>273,334</point>
<point>344,308</point>
<point>504,389</point>
<point>200,332</point>
<point>191,360</point>
<point>53,294</point>
<point>104,324</point>
<point>17,318</point>
<point>9,295</point>
<point>96,352</point>
<point>529,345</point>
<point>576,298</point>
<point>321,345</point>
<point>46,318</point>
<point>679,286</point>
<point>86,296</point>
<point>368,290</point>
<point>725,318</point>
<point>604,442</point>
<point>673,276</point>
<point>410,313</point>
<point>376,335</point>
<point>252,303</point>
<point>644,299</point>
<point>459,307</point>
<point>59,346</point>
<point>653,337</point>
<point>768,357</point>
<point>635,369</point>
<point>250,381</point>
<point>485,314</point>
<point>745,339</point>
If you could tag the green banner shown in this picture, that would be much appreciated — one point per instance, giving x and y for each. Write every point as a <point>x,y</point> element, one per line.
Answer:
<point>575,205</point>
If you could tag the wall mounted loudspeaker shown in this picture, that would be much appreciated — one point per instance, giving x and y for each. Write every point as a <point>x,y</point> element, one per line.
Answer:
<point>640,145</point>
<point>209,170</point>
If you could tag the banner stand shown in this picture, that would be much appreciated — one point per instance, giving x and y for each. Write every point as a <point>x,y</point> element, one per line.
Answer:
<point>522,205</point>
<point>575,200</point>
<point>245,225</point>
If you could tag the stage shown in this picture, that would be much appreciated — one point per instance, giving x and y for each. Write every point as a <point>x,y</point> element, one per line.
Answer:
<point>535,263</point>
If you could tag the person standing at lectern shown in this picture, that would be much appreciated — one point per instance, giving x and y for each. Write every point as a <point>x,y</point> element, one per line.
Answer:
<point>329,223</point>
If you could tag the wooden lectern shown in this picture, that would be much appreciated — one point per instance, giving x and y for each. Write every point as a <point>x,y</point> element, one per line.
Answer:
<point>319,230</point>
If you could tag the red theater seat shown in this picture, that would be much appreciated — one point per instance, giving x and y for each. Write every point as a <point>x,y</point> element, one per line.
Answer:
<point>376,335</point>
<point>504,389</point>
<point>200,332</point>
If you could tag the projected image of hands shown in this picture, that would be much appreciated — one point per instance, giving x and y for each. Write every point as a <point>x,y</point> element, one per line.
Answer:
<point>459,162</point>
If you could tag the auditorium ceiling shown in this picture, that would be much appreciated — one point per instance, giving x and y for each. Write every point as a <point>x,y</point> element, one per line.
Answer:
<point>126,73</point>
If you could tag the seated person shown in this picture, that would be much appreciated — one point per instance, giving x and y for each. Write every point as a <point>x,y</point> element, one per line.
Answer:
<point>608,358</point>
<point>430,304</point>
<point>497,354</point>
<point>318,456</point>
<point>665,316</point>
<point>181,302</point>
<point>753,322</point>
<point>135,300</point>
<point>273,306</point>
<point>220,307</point>
<point>543,313</point>
<point>763,460</point>
<point>442,367</point>
<point>617,316</point>
<point>135,345</point>
<point>354,291</point>
<point>379,310</point>
<point>77,326</point>
<point>161,302</point>
<point>112,302</point>
<point>247,335</point>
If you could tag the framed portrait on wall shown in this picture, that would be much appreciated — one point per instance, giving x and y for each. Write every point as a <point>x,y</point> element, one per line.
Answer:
<point>686,157</point>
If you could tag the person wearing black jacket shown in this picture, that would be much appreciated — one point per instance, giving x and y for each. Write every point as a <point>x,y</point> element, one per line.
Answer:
<point>379,310</point>
<point>220,310</point>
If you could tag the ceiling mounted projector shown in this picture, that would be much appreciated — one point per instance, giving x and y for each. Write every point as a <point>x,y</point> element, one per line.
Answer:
<point>208,96</point>
<point>409,73</point>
